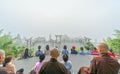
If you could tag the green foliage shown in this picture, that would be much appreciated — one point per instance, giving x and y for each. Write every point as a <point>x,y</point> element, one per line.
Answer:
<point>32,51</point>
<point>6,41</point>
<point>88,45</point>
<point>114,43</point>
<point>78,49</point>
<point>7,44</point>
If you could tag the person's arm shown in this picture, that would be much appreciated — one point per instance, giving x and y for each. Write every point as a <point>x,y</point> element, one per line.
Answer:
<point>43,68</point>
<point>65,70</point>
<point>92,69</point>
<point>11,68</point>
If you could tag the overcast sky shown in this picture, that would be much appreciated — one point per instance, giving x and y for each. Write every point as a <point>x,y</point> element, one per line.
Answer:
<point>31,18</point>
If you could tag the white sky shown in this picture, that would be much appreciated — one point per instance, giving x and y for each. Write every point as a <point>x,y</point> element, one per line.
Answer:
<point>31,18</point>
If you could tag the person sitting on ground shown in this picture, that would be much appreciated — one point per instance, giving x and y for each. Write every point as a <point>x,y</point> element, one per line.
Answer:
<point>39,64</point>
<point>103,64</point>
<point>65,51</point>
<point>73,50</point>
<point>3,70</point>
<point>82,51</point>
<point>39,51</point>
<point>26,53</point>
<point>94,51</point>
<point>9,66</point>
<point>53,66</point>
<point>47,51</point>
<point>88,51</point>
<point>67,63</point>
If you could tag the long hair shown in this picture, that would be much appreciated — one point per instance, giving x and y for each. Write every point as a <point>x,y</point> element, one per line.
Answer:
<point>7,60</point>
<point>47,47</point>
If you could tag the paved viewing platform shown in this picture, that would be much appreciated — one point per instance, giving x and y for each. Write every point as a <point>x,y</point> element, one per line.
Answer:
<point>77,62</point>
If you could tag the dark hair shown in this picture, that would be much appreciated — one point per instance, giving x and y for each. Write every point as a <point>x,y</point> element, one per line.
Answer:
<point>47,47</point>
<point>111,50</point>
<point>7,60</point>
<point>88,48</point>
<point>81,48</point>
<point>65,57</point>
<point>42,57</point>
<point>26,50</point>
<point>95,48</point>
<point>39,47</point>
<point>21,70</point>
<point>65,47</point>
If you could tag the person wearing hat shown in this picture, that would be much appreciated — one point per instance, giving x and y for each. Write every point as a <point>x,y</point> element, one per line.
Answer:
<point>53,66</point>
<point>102,64</point>
<point>73,51</point>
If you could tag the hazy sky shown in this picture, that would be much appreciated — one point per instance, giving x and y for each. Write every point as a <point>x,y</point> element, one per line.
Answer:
<point>31,18</point>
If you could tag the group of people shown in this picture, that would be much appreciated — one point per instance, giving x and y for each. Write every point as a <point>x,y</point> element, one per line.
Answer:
<point>103,63</point>
<point>53,66</point>
<point>66,51</point>
<point>6,65</point>
<point>74,51</point>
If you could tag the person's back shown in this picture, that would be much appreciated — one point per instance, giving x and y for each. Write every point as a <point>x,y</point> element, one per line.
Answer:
<point>105,65</point>
<point>94,51</point>
<point>26,53</point>
<point>9,66</point>
<point>65,51</point>
<point>73,50</point>
<point>39,64</point>
<point>102,64</point>
<point>88,51</point>
<point>82,51</point>
<point>47,51</point>
<point>66,62</point>
<point>53,66</point>
<point>39,51</point>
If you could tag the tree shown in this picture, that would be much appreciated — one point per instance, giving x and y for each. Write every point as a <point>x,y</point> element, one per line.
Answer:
<point>88,45</point>
<point>114,43</point>
<point>7,43</point>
